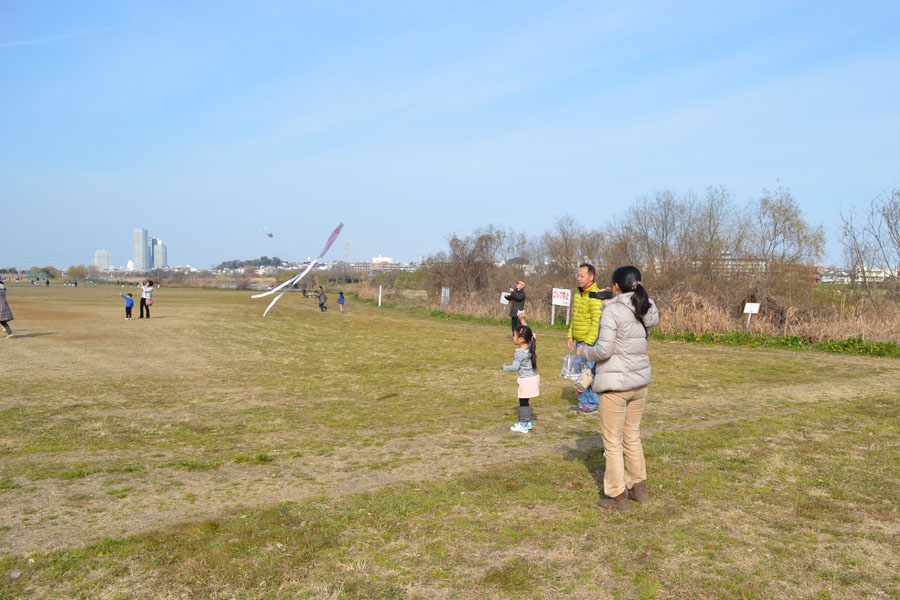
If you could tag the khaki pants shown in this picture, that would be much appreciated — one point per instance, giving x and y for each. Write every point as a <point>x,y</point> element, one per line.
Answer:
<point>621,428</point>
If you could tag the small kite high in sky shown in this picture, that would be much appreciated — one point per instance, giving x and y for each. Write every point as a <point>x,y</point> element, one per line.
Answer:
<point>287,284</point>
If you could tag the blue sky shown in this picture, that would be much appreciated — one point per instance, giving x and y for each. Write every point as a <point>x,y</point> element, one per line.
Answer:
<point>206,121</point>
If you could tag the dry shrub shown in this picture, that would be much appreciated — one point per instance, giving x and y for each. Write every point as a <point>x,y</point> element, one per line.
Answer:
<point>689,312</point>
<point>685,308</point>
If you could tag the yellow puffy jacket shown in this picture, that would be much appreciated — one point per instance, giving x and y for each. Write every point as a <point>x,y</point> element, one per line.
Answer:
<point>586,310</point>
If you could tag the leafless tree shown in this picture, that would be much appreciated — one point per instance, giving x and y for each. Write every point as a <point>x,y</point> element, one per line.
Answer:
<point>884,228</point>
<point>471,261</point>
<point>717,231</point>
<point>780,235</point>
<point>859,248</point>
<point>568,244</point>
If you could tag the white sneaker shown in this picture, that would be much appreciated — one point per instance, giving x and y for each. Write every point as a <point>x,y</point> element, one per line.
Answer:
<point>10,335</point>
<point>519,427</point>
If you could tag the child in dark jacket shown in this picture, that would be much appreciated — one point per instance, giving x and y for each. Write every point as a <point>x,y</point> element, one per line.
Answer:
<point>129,304</point>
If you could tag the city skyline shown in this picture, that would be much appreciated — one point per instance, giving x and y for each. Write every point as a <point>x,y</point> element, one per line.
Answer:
<point>148,252</point>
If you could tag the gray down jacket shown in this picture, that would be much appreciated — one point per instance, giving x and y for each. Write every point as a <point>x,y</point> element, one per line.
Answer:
<point>621,348</point>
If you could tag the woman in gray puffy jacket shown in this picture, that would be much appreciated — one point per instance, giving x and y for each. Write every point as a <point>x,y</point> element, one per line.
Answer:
<point>621,380</point>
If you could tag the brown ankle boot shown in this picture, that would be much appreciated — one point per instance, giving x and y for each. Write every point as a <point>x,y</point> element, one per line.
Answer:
<point>638,492</point>
<point>620,502</point>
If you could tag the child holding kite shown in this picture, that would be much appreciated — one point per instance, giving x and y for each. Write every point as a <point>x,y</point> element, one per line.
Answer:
<point>525,363</point>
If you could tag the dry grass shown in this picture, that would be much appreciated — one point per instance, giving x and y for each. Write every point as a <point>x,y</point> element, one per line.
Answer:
<point>208,453</point>
<point>869,317</point>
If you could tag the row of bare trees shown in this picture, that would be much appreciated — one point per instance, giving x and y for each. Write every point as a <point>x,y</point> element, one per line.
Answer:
<point>873,238</point>
<point>702,255</point>
<point>674,239</point>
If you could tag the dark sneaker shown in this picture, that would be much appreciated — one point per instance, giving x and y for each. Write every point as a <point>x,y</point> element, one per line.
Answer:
<point>585,410</point>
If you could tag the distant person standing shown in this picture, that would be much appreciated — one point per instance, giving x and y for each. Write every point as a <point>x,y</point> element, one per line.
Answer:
<point>320,295</point>
<point>584,327</point>
<point>5,312</point>
<point>341,302</point>
<point>146,297</point>
<point>516,298</point>
<point>129,304</point>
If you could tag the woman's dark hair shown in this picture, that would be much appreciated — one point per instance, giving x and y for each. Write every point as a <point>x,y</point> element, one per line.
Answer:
<point>150,281</point>
<point>629,280</point>
<point>524,332</point>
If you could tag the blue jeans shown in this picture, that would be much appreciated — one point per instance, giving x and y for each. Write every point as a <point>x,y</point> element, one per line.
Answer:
<point>588,397</point>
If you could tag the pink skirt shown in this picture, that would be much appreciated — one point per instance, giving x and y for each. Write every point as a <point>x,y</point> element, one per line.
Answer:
<point>529,387</point>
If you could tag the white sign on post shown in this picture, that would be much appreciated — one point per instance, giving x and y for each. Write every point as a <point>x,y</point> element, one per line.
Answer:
<point>750,309</point>
<point>562,297</point>
<point>445,297</point>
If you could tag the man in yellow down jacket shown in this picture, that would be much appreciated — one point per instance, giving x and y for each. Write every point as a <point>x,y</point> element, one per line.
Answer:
<point>583,328</point>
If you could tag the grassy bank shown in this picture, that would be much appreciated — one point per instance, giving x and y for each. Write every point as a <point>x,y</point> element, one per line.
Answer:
<point>210,453</point>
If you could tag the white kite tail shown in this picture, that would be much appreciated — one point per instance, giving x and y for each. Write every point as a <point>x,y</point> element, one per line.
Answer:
<point>294,280</point>
<point>290,281</point>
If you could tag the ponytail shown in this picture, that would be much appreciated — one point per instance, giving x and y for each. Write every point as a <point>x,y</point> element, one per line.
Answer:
<point>629,280</point>
<point>524,332</point>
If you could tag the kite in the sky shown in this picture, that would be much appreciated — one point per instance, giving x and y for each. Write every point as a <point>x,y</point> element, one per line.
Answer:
<point>266,231</point>
<point>287,284</point>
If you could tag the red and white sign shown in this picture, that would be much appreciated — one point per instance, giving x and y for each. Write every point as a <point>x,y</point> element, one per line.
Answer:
<point>562,297</point>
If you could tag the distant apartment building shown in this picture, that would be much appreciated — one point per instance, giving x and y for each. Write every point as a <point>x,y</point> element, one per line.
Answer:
<point>149,253</point>
<point>376,266</point>
<point>101,260</point>
<point>142,250</point>
<point>159,254</point>
<point>731,265</point>
<point>872,274</point>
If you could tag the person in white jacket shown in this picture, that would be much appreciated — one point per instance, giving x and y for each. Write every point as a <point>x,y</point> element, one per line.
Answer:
<point>146,297</point>
<point>621,380</point>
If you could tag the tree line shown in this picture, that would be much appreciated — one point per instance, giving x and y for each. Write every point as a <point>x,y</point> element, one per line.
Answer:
<point>705,248</point>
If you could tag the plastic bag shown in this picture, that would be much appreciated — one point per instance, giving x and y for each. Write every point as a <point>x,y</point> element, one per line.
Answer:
<point>572,365</point>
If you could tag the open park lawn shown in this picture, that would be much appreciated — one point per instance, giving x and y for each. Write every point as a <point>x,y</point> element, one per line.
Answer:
<point>210,453</point>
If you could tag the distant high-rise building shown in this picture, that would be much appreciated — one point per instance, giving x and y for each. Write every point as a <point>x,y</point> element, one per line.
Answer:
<point>101,260</point>
<point>160,254</point>
<point>142,258</point>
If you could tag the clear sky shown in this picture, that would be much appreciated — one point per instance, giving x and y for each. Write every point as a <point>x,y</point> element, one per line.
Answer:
<point>204,122</point>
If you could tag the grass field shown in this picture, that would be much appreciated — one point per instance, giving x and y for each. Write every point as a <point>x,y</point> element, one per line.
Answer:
<point>210,453</point>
